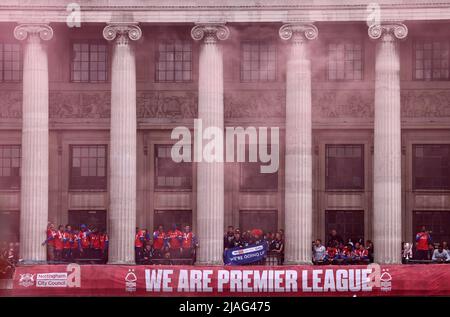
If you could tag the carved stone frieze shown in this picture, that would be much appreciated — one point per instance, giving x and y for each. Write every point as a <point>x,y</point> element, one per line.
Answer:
<point>10,104</point>
<point>254,104</point>
<point>87,105</point>
<point>167,104</point>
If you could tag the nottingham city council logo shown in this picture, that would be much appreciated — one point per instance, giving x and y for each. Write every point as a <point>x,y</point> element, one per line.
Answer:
<point>26,280</point>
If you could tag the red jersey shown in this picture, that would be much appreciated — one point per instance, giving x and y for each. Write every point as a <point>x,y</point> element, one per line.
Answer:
<point>139,239</point>
<point>188,240</point>
<point>175,239</point>
<point>347,251</point>
<point>103,241</point>
<point>85,239</point>
<point>51,234</point>
<point>362,253</point>
<point>75,238</point>
<point>422,239</point>
<point>59,244</point>
<point>331,252</point>
<point>67,236</point>
<point>158,239</point>
<point>95,241</point>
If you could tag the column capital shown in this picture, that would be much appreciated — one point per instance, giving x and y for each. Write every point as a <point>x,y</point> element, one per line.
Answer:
<point>122,32</point>
<point>210,32</point>
<point>33,30</point>
<point>298,32</point>
<point>388,32</point>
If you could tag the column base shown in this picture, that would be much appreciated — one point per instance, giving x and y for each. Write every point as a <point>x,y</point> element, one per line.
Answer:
<point>297,263</point>
<point>207,263</point>
<point>121,263</point>
<point>32,262</point>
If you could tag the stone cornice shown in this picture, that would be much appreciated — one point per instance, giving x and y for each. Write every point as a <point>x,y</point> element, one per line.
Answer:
<point>179,11</point>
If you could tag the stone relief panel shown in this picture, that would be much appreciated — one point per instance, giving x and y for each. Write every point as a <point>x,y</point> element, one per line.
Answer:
<point>10,104</point>
<point>167,104</point>
<point>72,105</point>
<point>254,104</point>
<point>335,104</point>
<point>425,104</point>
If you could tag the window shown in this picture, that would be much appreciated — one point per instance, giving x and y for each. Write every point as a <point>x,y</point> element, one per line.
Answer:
<point>10,62</point>
<point>438,222</point>
<point>251,177</point>
<point>88,167</point>
<point>90,218</point>
<point>431,60</point>
<point>174,61</point>
<point>9,166</point>
<point>344,167</point>
<point>431,166</point>
<point>9,226</point>
<point>266,220</point>
<point>167,218</point>
<point>258,61</point>
<point>348,224</point>
<point>89,62</point>
<point>170,174</point>
<point>345,61</point>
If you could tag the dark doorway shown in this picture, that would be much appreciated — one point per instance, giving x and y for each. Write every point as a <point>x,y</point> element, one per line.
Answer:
<point>438,222</point>
<point>9,226</point>
<point>348,224</point>
<point>267,220</point>
<point>91,218</point>
<point>169,217</point>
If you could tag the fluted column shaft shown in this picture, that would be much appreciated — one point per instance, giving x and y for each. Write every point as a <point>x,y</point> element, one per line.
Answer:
<point>122,162</point>
<point>387,144</point>
<point>210,175</point>
<point>298,177</point>
<point>34,167</point>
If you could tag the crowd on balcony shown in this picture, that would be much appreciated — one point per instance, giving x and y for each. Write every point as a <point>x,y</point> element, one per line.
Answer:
<point>166,247</point>
<point>237,238</point>
<point>341,252</point>
<point>70,244</point>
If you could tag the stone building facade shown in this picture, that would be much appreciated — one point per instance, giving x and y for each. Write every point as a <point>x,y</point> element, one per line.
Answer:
<point>86,115</point>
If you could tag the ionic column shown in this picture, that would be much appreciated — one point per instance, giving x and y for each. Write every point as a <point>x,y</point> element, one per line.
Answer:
<point>210,175</point>
<point>298,176</point>
<point>34,169</point>
<point>122,147</point>
<point>387,207</point>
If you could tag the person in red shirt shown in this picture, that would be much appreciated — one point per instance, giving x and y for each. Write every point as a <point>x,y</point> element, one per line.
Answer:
<point>50,241</point>
<point>423,239</point>
<point>331,254</point>
<point>104,243</point>
<point>76,244</point>
<point>85,242</point>
<point>189,243</point>
<point>159,242</point>
<point>95,244</point>
<point>175,239</point>
<point>67,241</point>
<point>139,240</point>
<point>361,254</point>
<point>59,243</point>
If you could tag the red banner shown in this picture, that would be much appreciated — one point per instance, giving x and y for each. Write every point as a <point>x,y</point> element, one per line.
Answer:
<point>112,280</point>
